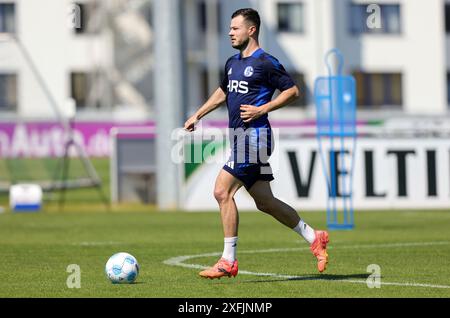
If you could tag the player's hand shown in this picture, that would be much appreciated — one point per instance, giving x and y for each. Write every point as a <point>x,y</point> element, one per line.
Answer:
<point>249,113</point>
<point>189,125</point>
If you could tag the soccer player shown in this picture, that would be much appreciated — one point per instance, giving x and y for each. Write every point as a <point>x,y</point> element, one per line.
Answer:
<point>251,77</point>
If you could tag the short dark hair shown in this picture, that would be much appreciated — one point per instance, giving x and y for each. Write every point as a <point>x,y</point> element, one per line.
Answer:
<point>250,15</point>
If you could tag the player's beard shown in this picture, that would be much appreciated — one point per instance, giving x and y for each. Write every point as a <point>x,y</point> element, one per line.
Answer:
<point>242,45</point>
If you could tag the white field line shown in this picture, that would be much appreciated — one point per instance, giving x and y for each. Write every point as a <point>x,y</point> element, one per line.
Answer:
<point>179,261</point>
<point>96,243</point>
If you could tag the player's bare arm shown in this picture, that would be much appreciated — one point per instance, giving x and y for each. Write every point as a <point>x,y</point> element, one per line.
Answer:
<point>250,112</point>
<point>213,102</point>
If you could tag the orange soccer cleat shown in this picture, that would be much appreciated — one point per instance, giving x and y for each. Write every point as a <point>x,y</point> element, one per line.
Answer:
<point>319,249</point>
<point>222,268</point>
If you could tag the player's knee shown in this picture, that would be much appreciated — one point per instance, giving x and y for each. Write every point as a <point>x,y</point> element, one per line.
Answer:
<point>263,205</point>
<point>222,195</point>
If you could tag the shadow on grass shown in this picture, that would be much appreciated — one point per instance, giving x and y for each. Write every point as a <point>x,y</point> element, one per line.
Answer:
<point>133,283</point>
<point>311,277</point>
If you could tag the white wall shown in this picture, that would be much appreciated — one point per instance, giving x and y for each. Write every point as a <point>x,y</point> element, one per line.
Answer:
<point>42,26</point>
<point>419,52</point>
<point>421,187</point>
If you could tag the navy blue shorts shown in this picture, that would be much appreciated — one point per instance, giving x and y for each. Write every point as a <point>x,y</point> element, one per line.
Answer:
<point>249,173</point>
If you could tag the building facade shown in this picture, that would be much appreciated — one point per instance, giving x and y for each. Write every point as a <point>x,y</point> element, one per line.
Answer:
<point>98,54</point>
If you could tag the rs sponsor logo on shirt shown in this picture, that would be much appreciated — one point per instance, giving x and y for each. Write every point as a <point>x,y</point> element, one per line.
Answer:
<point>237,86</point>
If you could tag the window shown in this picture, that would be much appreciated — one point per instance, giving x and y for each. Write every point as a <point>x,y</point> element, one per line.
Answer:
<point>448,88</point>
<point>376,90</point>
<point>205,93</point>
<point>89,18</point>
<point>8,92</point>
<point>147,12</point>
<point>299,79</point>
<point>7,18</point>
<point>204,83</point>
<point>290,17</point>
<point>447,18</point>
<point>79,87</point>
<point>202,9</point>
<point>305,94</point>
<point>88,90</point>
<point>390,19</point>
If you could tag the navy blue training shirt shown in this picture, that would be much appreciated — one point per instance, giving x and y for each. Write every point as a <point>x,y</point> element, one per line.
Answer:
<point>252,81</point>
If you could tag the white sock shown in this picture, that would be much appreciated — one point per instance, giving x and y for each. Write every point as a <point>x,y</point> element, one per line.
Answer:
<point>229,248</point>
<point>306,231</point>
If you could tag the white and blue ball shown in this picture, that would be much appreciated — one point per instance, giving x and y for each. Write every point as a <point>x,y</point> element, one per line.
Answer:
<point>122,268</point>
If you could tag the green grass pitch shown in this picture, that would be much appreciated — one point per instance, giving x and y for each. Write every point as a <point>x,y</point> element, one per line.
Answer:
<point>412,249</point>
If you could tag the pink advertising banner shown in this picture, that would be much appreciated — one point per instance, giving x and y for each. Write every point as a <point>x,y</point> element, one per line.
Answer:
<point>48,139</point>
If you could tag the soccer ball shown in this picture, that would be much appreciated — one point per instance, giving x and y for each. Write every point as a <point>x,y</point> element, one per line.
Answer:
<point>122,268</point>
